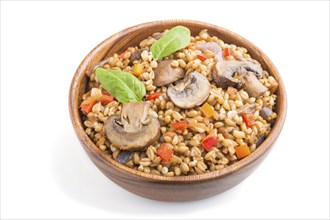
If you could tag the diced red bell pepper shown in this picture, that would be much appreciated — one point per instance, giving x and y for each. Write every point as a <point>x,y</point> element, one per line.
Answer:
<point>227,52</point>
<point>165,152</point>
<point>153,96</point>
<point>248,119</point>
<point>209,141</point>
<point>105,92</point>
<point>181,125</point>
<point>202,57</point>
<point>87,105</point>
<point>105,99</point>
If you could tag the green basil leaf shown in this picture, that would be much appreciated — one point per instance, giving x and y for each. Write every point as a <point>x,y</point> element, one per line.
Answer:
<point>174,40</point>
<point>122,85</point>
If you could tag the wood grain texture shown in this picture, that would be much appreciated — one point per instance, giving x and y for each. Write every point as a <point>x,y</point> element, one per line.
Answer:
<point>181,188</point>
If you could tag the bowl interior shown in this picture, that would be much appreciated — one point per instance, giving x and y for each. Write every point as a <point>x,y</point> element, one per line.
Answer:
<point>132,37</point>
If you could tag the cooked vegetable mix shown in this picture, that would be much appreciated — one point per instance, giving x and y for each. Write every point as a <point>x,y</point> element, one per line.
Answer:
<point>179,104</point>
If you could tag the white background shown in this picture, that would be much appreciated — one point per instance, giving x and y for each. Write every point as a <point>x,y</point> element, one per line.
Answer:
<point>46,174</point>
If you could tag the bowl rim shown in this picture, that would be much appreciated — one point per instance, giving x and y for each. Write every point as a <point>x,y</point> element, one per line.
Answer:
<point>106,158</point>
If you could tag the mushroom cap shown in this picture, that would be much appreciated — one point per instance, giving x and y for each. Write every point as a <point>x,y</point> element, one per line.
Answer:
<point>134,129</point>
<point>222,77</point>
<point>165,73</point>
<point>230,67</point>
<point>192,91</point>
<point>116,134</point>
<point>223,72</point>
<point>226,69</point>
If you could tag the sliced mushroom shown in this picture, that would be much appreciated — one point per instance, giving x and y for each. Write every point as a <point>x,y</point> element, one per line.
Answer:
<point>265,113</point>
<point>191,91</point>
<point>134,129</point>
<point>228,68</point>
<point>165,73</point>
<point>211,46</point>
<point>219,57</point>
<point>246,109</point>
<point>222,77</point>
<point>224,81</point>
<point>223,72</point>
<point>259,141</point>
<point>251,84</point>
<point>136,55</point>
<point>124,156</point>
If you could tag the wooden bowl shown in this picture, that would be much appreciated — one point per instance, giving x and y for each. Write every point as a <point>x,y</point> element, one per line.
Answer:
<point>180,188</point>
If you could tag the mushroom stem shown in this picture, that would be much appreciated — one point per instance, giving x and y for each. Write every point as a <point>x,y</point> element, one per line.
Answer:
<point>252,85</point>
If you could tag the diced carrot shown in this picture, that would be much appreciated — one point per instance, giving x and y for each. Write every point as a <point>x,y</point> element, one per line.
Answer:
<point>248,119</point>
<point>87,105</point>
<point>227,52</point>
<point>207,110</point>
<point>209,141</point>
<point>153,96</point>
<point>242,151</point>
<point>137,69</point>
<point>181,125</point>
<point>202,57</point>
<point>105,99</point>
<point>165,152</point>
